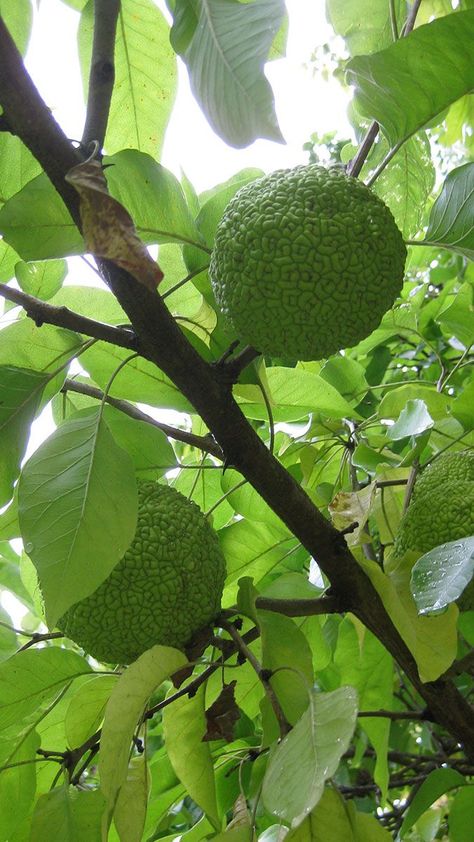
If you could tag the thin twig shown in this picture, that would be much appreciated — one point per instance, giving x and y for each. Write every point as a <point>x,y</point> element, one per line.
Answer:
<point>39,638</point>
<point>205,443</point>
<point>397,714</point>
<point>262,674</point>
<point>41,312</point>
<point>102,71</point>
<point>360,158</point>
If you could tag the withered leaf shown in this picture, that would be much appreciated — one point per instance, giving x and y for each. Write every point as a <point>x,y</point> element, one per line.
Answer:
<point>108,228</point>
<point>222,715</point>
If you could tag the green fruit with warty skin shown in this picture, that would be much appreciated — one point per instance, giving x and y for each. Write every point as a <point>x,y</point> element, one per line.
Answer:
<point>442,505</point>
<point>167,586</point>
<point>306,261</point>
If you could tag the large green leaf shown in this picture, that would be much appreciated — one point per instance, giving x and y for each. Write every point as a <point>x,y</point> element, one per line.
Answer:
<point>36,223</point>
<point>407,182</point>
<point>18,785</point>
<point>252,549</point>
<point>286,653</point>
<point>184,726</point>
<point>140,380</point>
<point>42,279</point>
<point>441,575</point>
<point>17,164</point>
<point>78,510</point>
<point>413,80</point>
<point>20,391</point>
<point>85,711</point>
<point>46,348</point>
<point>69,814</point>
<point>225,60</point>
<point>31,679</point>
<point>309,754</point>
<point>433,787</point>
<point>450,224</point>
<point>364,24</point>
<point>365,664</point>
<point>124,709</point>
<point>145,76</point>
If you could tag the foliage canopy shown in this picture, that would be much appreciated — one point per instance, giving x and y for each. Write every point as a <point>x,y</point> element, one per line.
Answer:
<point>332,699</point>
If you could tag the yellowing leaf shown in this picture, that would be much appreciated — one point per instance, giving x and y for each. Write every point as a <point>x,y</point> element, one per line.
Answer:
<point>108,228</point>
<point>124,710</point>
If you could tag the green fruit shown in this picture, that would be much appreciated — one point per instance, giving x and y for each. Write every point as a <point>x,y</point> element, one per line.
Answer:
<point>305,262</point>
<point>167,586</point>
<point>442,505</point>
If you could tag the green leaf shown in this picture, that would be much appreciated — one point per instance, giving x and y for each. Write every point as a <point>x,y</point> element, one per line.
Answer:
<point>20,391</point>
<point>294,393</point>
<point>43,279</point>
<point>413,80</point>
<point>413,420</point>
<point>36,223</point>
<point>406,183</point>
<point>395,401</point>
<point>461,815</point>
<point>47,348</point>
<point>365,664</point>
<point>184,726</point>
<point>18,785</point>
<point>140,380</point>
<point>18,17</point>
<point>252,549</point>
<point>284,645</point>
<point>68,814</point>
<point>124,708</point>
<point>433,787</point>
<point>457,316</point>
<point>78,510</point>
<point>450,224</point>
<point>204,487</point>
<point>31,679</point>
<point>431,640</point>
<point>247,501</point>
<point>440,576</point>
<point>364,24</point>
<point>150,450</point>
<point>153,196</point>
<point>8,260</point>
<point>145,76</point>
<point>86,708</point>
<point>334,819</point>
<point>17,164</point>
<point>225,60</point>
<point>309,754</point>
<point>131,807</point>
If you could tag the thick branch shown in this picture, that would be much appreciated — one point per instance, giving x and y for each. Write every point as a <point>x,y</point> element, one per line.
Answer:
<point>205,443</point>
<point>102,71</point>
<point>42,313</point>
<point>162,342</point>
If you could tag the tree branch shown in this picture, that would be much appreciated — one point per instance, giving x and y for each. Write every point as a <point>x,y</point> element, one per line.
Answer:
<point>41,312</point>
<point>301,607</point>
<point>102,71</point>
<point>205,443</point>
<point>162,342</point>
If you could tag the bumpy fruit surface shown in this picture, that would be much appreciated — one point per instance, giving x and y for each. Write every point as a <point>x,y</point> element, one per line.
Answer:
<point>167,586</point>
<point>442,505</point>
<point>306,261</point>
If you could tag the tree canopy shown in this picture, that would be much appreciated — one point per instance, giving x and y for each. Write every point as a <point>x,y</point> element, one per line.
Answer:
<point>332,697</point>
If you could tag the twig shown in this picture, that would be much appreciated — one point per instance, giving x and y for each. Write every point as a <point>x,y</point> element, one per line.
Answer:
<point>410,21</point>
<point>410,484</point>
<point>263,674</point>
<point>360,158</point>
<point>465,664</point>
<point>102,71</point>
<point>38,638</point>
<point>41,312</point>
<point>300,607</point>
<point>422,715</point>
<point>205,443</point>
<point>235,365</point>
